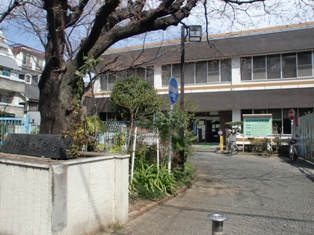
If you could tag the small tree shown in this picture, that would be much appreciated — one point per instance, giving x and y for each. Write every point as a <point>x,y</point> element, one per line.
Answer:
<point>133,97</point>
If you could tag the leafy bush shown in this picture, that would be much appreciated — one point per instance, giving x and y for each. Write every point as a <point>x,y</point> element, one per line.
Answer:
<point>151,184</point>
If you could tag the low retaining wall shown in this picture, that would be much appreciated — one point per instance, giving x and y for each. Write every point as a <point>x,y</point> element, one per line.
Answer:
<point>79,196</point>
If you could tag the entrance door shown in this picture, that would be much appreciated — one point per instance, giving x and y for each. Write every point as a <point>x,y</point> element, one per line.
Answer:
<point>212,128</point>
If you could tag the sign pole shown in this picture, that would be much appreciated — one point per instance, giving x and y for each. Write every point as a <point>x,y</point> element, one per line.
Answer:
<point>170,144</point>
<point>173,97</point>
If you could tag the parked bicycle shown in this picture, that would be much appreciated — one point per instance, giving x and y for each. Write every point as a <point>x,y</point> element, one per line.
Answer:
<point>233,148</point>
<point>293,154</point>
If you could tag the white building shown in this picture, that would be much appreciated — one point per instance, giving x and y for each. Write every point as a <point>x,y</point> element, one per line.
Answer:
<point>31,63</point>
<point>11,87</point>
<point>250,72</point>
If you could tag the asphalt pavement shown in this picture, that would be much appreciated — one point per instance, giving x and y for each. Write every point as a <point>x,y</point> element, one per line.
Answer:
<point>258,195</point>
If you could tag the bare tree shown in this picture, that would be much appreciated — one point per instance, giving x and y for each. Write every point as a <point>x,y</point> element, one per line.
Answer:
<point>72,29</point>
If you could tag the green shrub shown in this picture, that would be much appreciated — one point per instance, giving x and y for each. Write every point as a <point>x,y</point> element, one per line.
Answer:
<point>151,184</point>
<point>185,177</point>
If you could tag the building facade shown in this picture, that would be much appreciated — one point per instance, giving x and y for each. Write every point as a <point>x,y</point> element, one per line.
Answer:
<point>11,87</point>
<point>31,63</point>
<point>264,71</point>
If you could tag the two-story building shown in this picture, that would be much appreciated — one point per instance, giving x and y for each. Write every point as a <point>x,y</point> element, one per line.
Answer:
<point>262,71</point>
<point>11,87</point>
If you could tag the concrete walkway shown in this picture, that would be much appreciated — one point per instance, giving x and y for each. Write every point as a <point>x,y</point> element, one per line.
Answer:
<point>259,196</point>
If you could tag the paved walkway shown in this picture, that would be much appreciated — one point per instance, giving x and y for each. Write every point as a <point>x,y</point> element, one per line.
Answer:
<point>260,196</point>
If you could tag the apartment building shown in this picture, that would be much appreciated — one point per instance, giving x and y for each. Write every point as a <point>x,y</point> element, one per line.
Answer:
<point>262,71</point>
<point>11,87</point>
<point>31,63</point>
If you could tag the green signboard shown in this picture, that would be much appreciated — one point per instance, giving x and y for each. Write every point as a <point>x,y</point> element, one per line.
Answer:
<point>257,125</point>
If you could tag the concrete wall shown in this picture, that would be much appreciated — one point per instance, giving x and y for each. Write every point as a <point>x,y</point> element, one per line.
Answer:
<point>73,197</point>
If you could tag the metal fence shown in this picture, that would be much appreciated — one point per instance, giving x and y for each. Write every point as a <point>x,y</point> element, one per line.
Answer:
<point>304,130</point>
<point>13,125</point>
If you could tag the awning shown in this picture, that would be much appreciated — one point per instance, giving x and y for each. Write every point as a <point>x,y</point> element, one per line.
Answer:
<point>8,62</point>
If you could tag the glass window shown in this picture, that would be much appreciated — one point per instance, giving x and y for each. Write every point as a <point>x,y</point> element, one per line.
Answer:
<point>103,82</point>
<point>226,70</point>
<point>245,68</point>
<point>189,73</point>
<point>201,70</point>
<point>28,78</point>
<point>245,111</point>
<point>166,74</point>
<point>150,75</point>
<point>140,72</point>
<point>213,71</point>
<point>176,72</point>
<point>305,111</point>
<point>131,72</point>
<point>121,75</point>
<point>26,60</point>
<point>112,80</point>
<point>259,67</point>
<point>260,111</point>
<point>39,64</point>
<point>289,65</point>
<point>304,64</point>
<point>273,66</point>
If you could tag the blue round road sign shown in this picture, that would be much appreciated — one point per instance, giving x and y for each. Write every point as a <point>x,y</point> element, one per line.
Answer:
<point>173,90</point>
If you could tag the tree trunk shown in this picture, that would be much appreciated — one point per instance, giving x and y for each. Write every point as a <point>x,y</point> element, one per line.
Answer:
<point>56,94</point>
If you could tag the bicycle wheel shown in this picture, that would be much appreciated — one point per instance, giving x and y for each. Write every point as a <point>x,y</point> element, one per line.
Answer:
<point>235,150</point>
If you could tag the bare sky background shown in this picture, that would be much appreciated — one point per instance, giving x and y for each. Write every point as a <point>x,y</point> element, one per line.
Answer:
<point>222,18</point>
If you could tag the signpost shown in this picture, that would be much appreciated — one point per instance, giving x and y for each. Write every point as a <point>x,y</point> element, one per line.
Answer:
<point>173,97</point>
<point>173,91</point>
<point>291,117</point>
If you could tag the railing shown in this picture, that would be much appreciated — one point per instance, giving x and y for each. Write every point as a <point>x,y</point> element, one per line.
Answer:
<point>13,125</point>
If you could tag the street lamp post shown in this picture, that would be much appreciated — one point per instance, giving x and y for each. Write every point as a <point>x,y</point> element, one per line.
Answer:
<point>195,35</point>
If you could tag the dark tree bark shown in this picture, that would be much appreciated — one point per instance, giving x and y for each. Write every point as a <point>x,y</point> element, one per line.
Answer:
<point>58,84</point>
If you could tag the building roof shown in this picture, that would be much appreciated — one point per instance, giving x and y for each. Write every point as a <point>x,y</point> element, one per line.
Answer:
<point>258,43</point>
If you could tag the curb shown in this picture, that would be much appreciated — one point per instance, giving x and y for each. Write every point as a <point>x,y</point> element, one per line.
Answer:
<point>136,213</point>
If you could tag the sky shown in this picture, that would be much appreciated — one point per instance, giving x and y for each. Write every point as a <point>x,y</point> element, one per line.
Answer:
<point>222,18</point>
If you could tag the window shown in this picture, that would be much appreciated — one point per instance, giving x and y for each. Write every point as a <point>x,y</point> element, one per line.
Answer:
<point>39,64</point>
<point>201,72</point>
<point>27,60</point>
<point>213,71</point>
<point>107,81</point>
<point>166,74</point>
<point>259,67</point>
<point>289,65</point>
<point>147,73</point>
<point>304,64</point>
<point>245,68</point>
<point>28,78</point>
<point>176,72</point>
<point>273,66</point>
<point>225,70</point>
<point>189,73</point>
<point>5,72</point>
